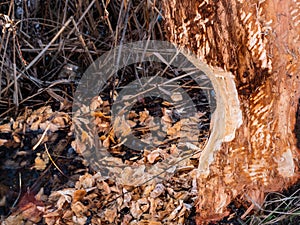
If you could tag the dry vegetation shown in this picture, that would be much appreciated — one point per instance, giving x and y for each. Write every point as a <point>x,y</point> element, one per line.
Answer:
<point>43,42</point>
<point>45,46</point>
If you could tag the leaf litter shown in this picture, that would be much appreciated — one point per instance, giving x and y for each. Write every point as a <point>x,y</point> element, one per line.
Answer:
<point>98,199</point>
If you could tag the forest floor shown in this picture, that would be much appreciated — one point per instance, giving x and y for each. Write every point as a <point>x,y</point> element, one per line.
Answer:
<point>49,175</point>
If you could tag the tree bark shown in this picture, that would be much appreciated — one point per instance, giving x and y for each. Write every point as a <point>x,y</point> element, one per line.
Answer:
<point>253,48</point>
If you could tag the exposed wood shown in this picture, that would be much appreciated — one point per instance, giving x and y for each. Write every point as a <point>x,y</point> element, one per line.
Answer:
<point>258,42</point>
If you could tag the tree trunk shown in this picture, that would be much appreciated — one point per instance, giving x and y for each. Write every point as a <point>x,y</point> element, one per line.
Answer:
<point>253,48</point>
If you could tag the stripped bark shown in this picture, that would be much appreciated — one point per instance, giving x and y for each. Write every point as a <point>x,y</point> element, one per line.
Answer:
<point>253,47</point>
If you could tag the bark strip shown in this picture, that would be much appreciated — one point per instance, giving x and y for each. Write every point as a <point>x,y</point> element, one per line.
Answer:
<point>258,43</point>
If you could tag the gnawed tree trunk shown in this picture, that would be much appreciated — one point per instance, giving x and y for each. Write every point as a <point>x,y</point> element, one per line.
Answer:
<point>253,47</point>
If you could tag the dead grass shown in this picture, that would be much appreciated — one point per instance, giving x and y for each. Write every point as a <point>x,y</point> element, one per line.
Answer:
<point>44,48</point>
<point>279,208</point>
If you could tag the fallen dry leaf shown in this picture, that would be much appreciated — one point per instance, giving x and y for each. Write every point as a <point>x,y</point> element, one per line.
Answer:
<point>5,128</point>
<point>176,96</point>
<point>135,210</point>
<point>144,115</point>
<point>39,164</point>
<point>85,181</point>
<point>78,195</point>
<point>110,214</point>
<point>96,103</point>
<point>3,141</point>
<point>79,220</point>
<point>158,190</point>
<point>152,156</point>
<point>79,209</point>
